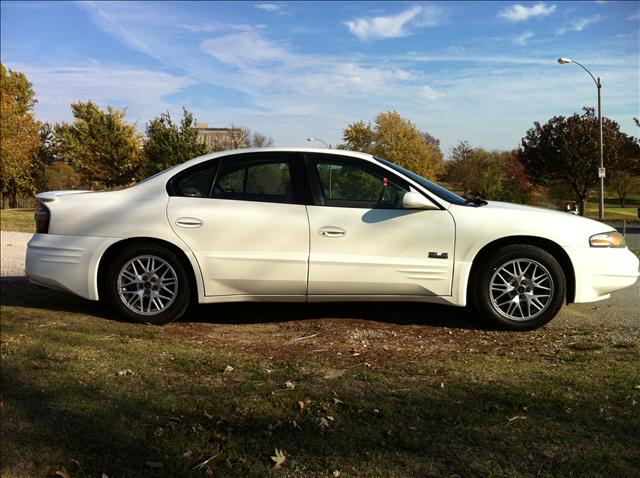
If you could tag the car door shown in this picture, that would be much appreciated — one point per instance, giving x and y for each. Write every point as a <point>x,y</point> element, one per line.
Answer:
<point>364,243</point>
<point>244,220</point>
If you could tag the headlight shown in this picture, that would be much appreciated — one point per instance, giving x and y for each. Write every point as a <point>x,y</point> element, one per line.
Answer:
<point>607,239</point>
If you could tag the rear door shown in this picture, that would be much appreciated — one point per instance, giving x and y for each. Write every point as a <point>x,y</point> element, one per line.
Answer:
<point>364,243</point>
<point>244,218</point>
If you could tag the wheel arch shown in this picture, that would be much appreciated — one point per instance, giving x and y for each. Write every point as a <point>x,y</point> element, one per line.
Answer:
<point>111,252</point>
<point>547,245</point>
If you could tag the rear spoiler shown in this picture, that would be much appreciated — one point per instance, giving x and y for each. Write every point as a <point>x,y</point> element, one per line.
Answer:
<point>50,196</point>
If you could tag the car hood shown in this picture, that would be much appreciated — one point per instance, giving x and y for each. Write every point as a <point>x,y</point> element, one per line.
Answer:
<point>506,219</point>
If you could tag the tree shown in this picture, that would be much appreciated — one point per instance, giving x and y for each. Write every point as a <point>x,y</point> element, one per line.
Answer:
<point>496,175</point>
<point>624,183</point>
<point>461,167</point>
<point>168,144</point>
<point>567,148</point>
<point>19,135</point>
<point>240,137</point>
<point>398,140</point>
<point>101,145</point>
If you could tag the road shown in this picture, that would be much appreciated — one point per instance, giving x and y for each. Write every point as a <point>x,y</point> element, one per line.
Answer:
<point>622,309</point>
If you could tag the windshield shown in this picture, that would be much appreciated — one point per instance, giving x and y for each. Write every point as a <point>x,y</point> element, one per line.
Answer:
<point>430,186</point>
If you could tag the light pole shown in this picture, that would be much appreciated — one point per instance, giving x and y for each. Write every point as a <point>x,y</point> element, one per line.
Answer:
<point>601,170</point>
<point>319,140</point>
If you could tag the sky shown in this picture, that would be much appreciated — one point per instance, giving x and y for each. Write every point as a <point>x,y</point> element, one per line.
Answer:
<point>476,71</point>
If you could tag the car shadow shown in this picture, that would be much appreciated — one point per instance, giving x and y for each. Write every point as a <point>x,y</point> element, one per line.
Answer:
<point>19,292</point>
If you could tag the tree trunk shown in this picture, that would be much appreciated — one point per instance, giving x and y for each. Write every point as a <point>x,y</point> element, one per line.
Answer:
<point>582,205</point>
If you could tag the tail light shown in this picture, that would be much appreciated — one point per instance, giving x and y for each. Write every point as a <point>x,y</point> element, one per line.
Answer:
<point>42,216</point>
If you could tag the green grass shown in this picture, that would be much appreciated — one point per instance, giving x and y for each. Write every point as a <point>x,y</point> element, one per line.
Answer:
<point>19,220</point>
<point>612,209</point>
<point>384,397</point>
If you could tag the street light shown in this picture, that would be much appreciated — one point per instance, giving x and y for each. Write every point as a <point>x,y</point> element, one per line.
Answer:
<point>319,140</point>
<point>601,170</point>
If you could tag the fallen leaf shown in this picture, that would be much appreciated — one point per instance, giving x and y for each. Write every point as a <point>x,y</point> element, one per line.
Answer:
<point>127,371</point>
<point>323,422</point>
<point>518,417</point>
<point>228,369</point>
<point>63,473</point>
<point>336,473</point>
<point>301,405</point>
<point>289,384</point>
<point>187,454</point>
<point>337,401</point>
<point>279,458</point>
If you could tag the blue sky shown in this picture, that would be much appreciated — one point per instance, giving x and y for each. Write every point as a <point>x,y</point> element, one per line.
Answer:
<point>479,71</point>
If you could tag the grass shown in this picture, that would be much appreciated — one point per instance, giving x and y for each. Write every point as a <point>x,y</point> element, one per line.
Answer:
<point>18,220</point>
<point>612,209</point>
<point>389,396</point>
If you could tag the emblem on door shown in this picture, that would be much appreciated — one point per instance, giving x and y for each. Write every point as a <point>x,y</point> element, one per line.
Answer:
<point>435,255</point>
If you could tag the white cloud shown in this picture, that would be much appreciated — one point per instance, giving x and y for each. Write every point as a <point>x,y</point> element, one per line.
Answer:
<point>243,48</point>
<point>579,24</point>
<point>523,38</point>
<point>268,7</point>
<point>139,90</point>
<point>394,26</point>
<point>634,16</point>
<point>520,13</point>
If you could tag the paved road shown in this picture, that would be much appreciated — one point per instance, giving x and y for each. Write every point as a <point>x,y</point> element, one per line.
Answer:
<point>621,309</point>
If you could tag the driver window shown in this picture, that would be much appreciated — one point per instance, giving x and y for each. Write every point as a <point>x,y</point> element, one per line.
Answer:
<point>345,184</point>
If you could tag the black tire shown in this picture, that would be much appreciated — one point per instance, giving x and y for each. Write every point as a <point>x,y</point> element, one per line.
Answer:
<point>491,295</point>
<point>179,296</point>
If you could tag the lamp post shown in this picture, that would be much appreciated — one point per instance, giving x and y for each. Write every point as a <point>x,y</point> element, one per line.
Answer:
<point>319,140</point>
<point>601,170</point>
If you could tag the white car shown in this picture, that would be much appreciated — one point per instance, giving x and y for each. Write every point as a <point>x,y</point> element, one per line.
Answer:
<point>317,225</point>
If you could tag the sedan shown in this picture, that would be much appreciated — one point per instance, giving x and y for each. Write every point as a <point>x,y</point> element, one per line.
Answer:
<point>316,225</point>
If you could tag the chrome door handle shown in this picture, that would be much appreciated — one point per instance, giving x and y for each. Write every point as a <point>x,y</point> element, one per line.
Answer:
<point>189,222</point>
<point>331,231</point>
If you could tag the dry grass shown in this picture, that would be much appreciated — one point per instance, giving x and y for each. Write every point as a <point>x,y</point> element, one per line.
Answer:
<point>383,390</point>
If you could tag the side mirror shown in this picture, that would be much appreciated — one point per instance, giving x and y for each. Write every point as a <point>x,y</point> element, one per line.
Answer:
<point>414,200</point>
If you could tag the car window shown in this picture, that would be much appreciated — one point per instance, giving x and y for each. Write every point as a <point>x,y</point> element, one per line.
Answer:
<point>194,182</point>
<point>353,184</point>
<point>254,180</point>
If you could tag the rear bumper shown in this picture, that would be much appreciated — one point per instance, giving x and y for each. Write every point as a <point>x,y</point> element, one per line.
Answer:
<point>600,271</point>
<point>66,262</point>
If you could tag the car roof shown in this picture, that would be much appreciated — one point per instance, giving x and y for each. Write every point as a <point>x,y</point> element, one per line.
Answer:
<point>232,152</point>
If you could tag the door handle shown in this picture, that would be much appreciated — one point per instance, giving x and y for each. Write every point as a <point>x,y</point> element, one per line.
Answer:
<point>189,222</point>
<point>331,231</point>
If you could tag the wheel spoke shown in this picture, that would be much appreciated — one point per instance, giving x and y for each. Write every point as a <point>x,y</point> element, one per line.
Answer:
<point>521,289</point>
<point>143,289</point>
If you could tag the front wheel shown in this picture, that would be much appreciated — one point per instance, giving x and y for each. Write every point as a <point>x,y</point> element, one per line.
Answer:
<point>519,287</point>
<point>147,283</point>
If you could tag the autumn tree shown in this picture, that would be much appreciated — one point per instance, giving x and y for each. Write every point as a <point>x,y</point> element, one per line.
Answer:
<point>567,149</point>
<point>168,144</point>
<point>19,135</point>
<point>461,168</point>
<point>623,183</point>
<point>496,175</point>
<point>396,139</point>
<point>240,137</point>
<point>101,145</point>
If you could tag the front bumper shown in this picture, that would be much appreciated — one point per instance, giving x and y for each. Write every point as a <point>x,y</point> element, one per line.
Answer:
<point>66,262</point>
<point>600,271</point>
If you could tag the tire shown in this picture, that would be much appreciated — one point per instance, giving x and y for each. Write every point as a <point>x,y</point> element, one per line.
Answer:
<point>519,287</point>
<point>147,283</point>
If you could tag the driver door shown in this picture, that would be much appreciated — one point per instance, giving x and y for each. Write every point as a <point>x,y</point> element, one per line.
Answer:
<point>362,241</point>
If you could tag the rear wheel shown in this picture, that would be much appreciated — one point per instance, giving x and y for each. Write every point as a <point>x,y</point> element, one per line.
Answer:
<point>147,283</point>
<point>519,287</point>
